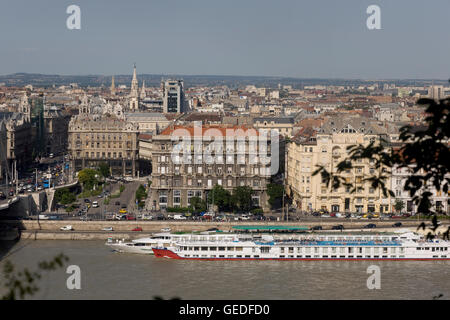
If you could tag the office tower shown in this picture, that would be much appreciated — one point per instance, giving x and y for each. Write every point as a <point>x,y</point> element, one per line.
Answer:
<point>173,96</point>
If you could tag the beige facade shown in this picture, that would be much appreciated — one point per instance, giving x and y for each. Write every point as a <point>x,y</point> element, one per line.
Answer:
<point>327,148</point>
<point>94,139</point>
<point>174,183</point>
<point>283,125</point>
<point>148,121</point>
<point>19,144</point>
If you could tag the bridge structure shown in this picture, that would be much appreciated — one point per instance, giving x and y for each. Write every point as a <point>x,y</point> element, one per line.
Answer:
<point>33,202</point>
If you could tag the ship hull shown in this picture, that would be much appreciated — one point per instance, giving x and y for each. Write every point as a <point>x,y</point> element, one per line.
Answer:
<point>166,253</point>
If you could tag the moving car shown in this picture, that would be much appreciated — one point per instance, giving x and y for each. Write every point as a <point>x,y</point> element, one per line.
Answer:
<point>337,227</point>
<point>397,224</point>
<point>108,229</point>
<point>66,228</point>
<point>316,228</point>
<point>137,229</point>
<point>370,226</point>
<point>95,204</point>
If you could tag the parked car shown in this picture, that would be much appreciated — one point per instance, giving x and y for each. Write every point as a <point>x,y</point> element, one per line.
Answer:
<point>179,217</point>
<point>54,218</point>
<point>397,224</point>
<point>316,228</point>
<point>370,226</point>
<point>337,227</point>
<point>66,228</point>
<point>130,217</point>
<point>137,229</point>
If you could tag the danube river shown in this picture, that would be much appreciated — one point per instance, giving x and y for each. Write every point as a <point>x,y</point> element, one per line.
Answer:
<point>109,275</point>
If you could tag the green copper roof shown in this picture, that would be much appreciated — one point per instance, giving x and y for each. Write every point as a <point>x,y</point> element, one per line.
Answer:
<point>278,228</point>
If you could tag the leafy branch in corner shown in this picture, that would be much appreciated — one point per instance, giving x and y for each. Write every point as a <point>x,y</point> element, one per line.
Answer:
<point>19,283</point>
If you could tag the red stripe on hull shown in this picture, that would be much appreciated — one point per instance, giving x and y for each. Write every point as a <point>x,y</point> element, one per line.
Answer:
<point>165,253</point>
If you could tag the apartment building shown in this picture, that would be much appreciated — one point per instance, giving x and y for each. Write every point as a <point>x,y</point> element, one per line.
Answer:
<point>97,138</point>
<point>150,122</point>
<point>56,124</point>
<point>327,147</point>
<point>440,200</point>
<point>19,145</point>
<point>283,125</point>
<point>182,171</point>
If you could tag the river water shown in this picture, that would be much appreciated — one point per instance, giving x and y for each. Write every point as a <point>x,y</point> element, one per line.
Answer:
<point>109,275</point>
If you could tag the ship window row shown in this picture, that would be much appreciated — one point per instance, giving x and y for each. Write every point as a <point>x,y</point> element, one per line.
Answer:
<point>302,256</point>
<point>433,249</point>
<point>212,248</point>
<point>326,250</point>
<point>307,250</point>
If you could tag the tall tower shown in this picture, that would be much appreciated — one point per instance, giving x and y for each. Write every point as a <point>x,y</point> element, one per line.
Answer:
<point>24,107</point>
<point>173,96</point>
<point>134,94</point>
<point>143,95</point>
<point>113,87</point>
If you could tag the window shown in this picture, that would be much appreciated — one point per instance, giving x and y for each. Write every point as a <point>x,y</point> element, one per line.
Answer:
<point>176,197</point>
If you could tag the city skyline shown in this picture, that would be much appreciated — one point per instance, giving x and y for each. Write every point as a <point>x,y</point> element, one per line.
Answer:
<point>287,39</point>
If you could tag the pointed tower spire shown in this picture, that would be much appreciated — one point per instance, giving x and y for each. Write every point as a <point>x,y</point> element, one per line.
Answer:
<point>143,95</point>
<point>134,83</point>
<point>134,94</point>
<point>113,87</point>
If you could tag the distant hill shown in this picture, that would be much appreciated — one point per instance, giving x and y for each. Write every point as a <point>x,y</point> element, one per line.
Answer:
<point>152,80</point>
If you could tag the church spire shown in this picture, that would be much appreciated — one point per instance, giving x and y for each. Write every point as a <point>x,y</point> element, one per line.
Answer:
<point>113,87</point>
<point>134,94</point>
<point>134,83</point>
<point>143,95</point>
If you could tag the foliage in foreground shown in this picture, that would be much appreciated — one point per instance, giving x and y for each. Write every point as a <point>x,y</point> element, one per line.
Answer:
<point>424,152</point>
<point>21,283</point>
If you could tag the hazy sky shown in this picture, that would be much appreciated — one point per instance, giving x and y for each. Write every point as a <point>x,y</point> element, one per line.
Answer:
<point>310,38</point>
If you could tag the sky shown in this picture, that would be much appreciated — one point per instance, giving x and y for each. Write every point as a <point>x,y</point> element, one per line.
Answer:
<point>288,38</point>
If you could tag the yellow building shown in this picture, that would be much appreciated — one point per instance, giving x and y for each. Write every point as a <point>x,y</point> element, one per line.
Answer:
<point>327,147</point>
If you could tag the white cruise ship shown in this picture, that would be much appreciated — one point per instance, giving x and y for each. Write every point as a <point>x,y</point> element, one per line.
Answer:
<point>144,245</point>
<point>363,246</point>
